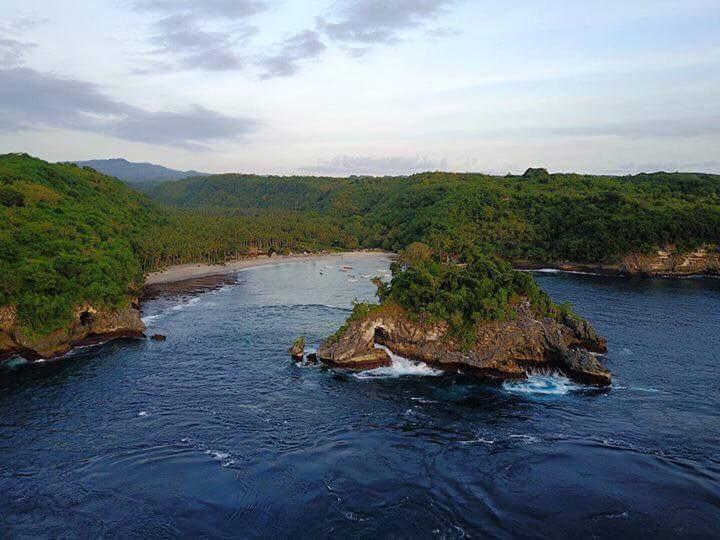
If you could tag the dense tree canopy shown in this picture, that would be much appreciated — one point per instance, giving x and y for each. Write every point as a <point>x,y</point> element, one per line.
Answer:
<point>536,217</point>
<point>479,287</point>
<point>69,235</point>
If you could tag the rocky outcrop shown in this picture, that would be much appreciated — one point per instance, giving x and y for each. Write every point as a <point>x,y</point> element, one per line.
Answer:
<point>502,349</point>
<point>666,262</point>
<point>297,351</point>
<point>89,326</point>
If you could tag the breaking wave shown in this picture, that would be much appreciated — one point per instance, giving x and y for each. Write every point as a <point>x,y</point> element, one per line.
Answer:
<point>401,367</point>
<point>548,383</point>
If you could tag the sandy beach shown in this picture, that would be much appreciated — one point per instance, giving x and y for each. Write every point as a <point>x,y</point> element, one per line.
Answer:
<point>186,272</point>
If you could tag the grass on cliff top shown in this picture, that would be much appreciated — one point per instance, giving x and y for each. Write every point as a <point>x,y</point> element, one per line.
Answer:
<point>479,288</point>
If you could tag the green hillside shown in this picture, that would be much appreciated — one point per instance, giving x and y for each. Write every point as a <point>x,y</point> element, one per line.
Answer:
<point>67,235</point>
<point>70,235</point>
<point>536,217</point>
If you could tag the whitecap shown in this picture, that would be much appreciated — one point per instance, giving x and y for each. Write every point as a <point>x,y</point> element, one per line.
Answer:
<point>525,438</point>
<point>547,383</point>
<point>187,304</point>
<point>544,270</point>
<point>479,440</point>
<point>142,413</point>
<point>225,458</point>
<point>400,367</point>
<point>424,400</point>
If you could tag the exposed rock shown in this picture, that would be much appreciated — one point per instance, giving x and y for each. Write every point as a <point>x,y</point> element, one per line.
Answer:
<point>189,286</point>
<point>501,351</point>
<point>297,351</point>
<point>582,366</point>
<point>89,326</point>
<point>158,337</point>
<point>666,262</point>
<point>670,262</point>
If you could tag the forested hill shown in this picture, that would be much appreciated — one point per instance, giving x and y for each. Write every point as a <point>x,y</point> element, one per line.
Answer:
<point>70,235</point>
<point>537,217</point>
<point>67,235</point>
<point>235,192</point>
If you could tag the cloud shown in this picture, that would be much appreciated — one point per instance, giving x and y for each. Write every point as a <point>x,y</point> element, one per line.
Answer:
<point>200,35</point>
<point>302,46</point>
<point>196,48</point>
<point>23,24</point>
<point>701,126</point>
<point>225,9</point>
<point>383,166</point>
<point>379,21</point>
<point>32,100</point>
<point>12,51</point>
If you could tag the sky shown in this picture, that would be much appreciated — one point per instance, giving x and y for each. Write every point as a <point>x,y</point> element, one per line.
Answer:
<point>376,87</point>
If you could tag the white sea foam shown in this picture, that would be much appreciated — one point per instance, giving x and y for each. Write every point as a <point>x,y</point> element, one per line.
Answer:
<point>224,458</point>
<point>14,363</point>
<point>558,271</point>
<point>401,367</point>
<point>525,438</point>
<point>547,383</point>
<point>479,440</point>
<point>147,319</point>
<point>424,400</point>
<point>544,271</point>
<point>142,413</point>
<point>187,304</point>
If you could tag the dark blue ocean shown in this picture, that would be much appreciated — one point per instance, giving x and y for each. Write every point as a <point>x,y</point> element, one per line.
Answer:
<point>217,433</point>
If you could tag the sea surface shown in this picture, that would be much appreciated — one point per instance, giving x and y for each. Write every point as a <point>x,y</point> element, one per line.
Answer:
<point>217,433</point>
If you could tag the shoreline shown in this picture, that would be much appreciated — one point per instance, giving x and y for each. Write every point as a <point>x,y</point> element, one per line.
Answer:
<point>187,272</point>
<point>205,271</point>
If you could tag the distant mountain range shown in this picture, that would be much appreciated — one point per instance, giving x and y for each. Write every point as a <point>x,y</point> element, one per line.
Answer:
<point>137,173</point>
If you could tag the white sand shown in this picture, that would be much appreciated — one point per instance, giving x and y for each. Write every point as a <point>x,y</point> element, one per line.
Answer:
<point>189,271</point>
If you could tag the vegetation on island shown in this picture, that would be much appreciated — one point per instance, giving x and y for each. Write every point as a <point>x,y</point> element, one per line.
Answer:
<point>475,288</point>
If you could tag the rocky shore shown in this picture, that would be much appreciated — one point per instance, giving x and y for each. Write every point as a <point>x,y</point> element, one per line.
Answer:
<point>666,262</point>
<point>502,350</point>
<point>89,326</point>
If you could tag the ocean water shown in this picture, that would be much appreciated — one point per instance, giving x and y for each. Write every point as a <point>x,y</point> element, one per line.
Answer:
<point>217,433</point>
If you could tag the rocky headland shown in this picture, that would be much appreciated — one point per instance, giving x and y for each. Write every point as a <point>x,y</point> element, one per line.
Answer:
<point>501,350</point>
<point>88,327</point>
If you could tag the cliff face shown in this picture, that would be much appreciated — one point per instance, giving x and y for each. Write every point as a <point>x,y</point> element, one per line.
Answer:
<point>665,262</point>
<point>502,350</point>
<point>89,326</point>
